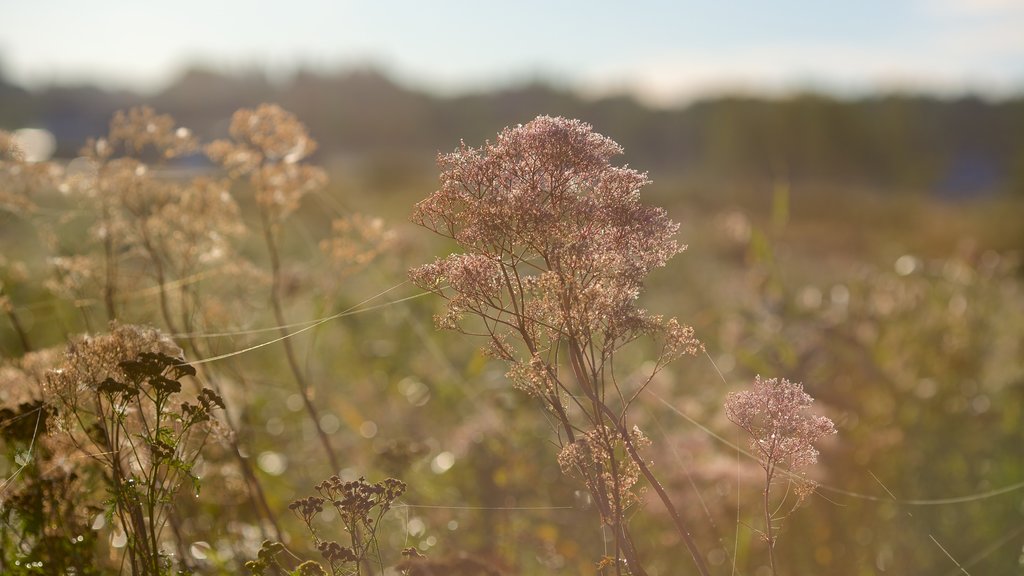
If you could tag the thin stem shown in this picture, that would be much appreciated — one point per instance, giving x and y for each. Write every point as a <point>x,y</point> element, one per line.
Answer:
<point>252,482</point>
<point>275,300</point>
<point>627,441</point>
<point>158,267</point>
<point>768,473</point>
<point>110,265</point>
<point>20,330</point>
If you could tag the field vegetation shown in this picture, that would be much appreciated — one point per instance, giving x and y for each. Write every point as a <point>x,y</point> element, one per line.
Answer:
<point>234,354</point>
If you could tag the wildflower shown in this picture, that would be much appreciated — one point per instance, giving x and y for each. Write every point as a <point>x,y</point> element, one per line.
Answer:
<point>592,458</point>
<point>545,197</point>
<point>21,379</point>
<point>91,360</point>
<point>22,178</point>
<point>356,241</point>
<point>140,128</point>
<point>556,248</point>
<point>307,508</point>
<point>774,414</point>
<point>268,145</point>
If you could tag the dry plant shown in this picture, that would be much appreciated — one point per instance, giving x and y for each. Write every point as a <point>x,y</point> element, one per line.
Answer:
<point>115,402</point>
<point>20,180</point>
<point>44,517</point>
<point>268,147</point>
<point>119,187</point>
<point>176,231</point>
<point>359,507</point>
<point>782,434</point>
<point>153,229</point>
<point>556,248</point>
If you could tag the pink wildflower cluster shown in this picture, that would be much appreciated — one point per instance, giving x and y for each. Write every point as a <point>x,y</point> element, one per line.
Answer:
<point>592,458</point>
<point>559,229</point>
<point>556,248</point>
<point>774,414</point>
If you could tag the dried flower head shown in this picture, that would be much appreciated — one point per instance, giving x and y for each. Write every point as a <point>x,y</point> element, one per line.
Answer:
<point>544,198</point>
<point>557,243</point>
<point>191,225</point>
<point>336,553</point>
<point>356,241</point>
<point>92,360</point>
<point>20,179</point>
<point>22,379</point>
<point>273,132</point>
<point>269,145</point>
<point>74,276</point>
<point>307,508</point>
<point>355,500</point>
<point>141,128</point>
<point>774,413</point>
<point>592,458</point>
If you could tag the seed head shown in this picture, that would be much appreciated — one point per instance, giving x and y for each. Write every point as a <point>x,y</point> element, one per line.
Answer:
<point>775,415</point>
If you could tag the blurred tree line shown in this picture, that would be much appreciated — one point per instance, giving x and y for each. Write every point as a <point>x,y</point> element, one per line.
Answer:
<point>951,148</point>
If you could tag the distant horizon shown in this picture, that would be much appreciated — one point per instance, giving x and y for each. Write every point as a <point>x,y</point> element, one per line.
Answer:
<point>281,78</point>
<point>663,53</point>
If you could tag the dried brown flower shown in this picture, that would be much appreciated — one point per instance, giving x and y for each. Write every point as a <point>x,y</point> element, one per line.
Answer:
<point>22,379</point>
<point>20,179</point>
<point>592,458</point>
<point>544,199</point>
<point>142,127</point>
<point>356,241</point>
<point>91,360</point>
<point>269,145</point>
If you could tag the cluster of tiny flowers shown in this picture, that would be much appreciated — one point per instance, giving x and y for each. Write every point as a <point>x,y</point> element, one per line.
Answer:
<point>137,208</point>
<point>475,280</point>
<point>74,276</point>
<point>592,458</point>
<point>268,145</point>
<point>774,413</point>
<point>681,339</point>
<point>195,225</point>
<point>22,379</point>
<point>356,241</point>
<point>307,508</point>
<point>545,200</point>
<point>354,500</point>
<point>336,553</point>
<point>474,275</point>
<point>142,128</point>
<point>22,178</point>
<point>533,377</point>
<point>90,360</point>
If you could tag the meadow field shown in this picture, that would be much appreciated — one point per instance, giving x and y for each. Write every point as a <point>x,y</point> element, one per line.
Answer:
<point>226,351</point>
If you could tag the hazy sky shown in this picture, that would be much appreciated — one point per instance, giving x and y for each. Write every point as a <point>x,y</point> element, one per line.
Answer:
<point>660,50</point>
